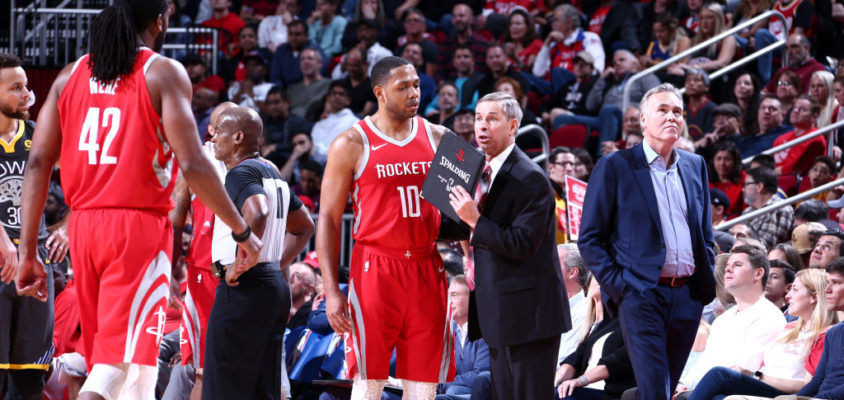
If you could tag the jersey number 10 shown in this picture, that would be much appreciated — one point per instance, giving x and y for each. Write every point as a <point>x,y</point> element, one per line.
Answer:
<point>410,206</point>
<point>90,130</point>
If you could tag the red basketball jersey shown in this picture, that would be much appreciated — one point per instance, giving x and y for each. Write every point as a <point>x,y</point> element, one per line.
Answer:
<point>114,153</point>
<point>388,210</point>
<point>199,252</point>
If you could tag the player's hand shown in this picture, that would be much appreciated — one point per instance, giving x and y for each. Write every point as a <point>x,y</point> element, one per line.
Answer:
<point>336,306</point>
<point>464,205</point>
<point>31,278</point>
<point>57,244</point>
<point>247,254</point>
<point>9,264</point>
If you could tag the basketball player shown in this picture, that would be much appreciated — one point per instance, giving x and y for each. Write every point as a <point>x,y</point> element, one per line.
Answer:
<point>112,117</point>
<point>247,322</point>
<point>397,284</point>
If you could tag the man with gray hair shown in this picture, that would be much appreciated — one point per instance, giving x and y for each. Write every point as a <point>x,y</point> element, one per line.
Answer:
<point>646,235</point>
<point>517,273</point>
<point>575,277</point>
<point>565,41</point>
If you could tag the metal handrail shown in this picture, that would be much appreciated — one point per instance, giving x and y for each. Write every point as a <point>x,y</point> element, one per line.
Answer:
<point>767,14</point>
<point>787,202</point>
<point>808,136</point>
<point>744,60</point>
<point>543,138</point>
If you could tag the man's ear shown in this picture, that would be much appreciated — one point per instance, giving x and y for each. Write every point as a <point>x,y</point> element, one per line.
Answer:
<point>378,91</point>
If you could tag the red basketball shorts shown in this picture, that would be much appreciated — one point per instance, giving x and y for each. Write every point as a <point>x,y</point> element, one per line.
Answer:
<point>398,300</point>
<point>202,287</point>
<point>121,263</point>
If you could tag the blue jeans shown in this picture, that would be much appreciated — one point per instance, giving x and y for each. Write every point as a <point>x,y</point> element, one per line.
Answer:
<point>764,38</point>
<point>608,122</point>
<point>720,382</point>
<point>560,78</point>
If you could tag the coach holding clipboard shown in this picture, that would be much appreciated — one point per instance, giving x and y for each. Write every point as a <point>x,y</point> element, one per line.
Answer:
<point>518,306</point>
<point>646,234</point>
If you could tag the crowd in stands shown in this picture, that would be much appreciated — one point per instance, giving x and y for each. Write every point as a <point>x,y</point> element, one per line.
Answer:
<point>304,66</point>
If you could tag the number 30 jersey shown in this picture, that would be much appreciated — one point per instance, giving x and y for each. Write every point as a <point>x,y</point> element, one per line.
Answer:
<point>13,156</point>
<point>114,153</point>
<point>388,210</point>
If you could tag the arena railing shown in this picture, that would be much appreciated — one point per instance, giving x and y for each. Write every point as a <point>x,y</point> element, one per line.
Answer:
<point>785,203</point>
<point>58,36</point>
<point>346,240</point>
<point>536,130</point>
<point>829,130</point>
<point>694,49</point>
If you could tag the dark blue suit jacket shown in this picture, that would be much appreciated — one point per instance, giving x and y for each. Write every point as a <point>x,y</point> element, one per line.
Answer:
<point>621,237</point>
<point>470,360</point>
<point>518,296</point>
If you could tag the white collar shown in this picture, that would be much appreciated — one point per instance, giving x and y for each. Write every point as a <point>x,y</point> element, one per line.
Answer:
<point>497,161</point>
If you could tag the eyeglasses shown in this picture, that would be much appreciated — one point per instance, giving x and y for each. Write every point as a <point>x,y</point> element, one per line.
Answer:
<point>564,163</point>
<point>750,183</point>
<point>784,83</point>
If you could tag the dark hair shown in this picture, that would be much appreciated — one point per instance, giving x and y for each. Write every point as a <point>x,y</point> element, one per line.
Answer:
<point>493,44</point>
<point>340,83</point>
<point>836,266</point>
<point>815,107</point>
<point>586,158</point>
<point>839,79</point>
<point>298,22</point>
<point>530,32</point>
<point>282,92</point>
<point>114,33</point>
<point>793,78</point>
<point>757,259</point>
<point>766,160</point>
<point>452,262</point>
<point>311,165</point>
<point>557,151</point>
<point>766,176</point>
<point>791,255</point>
<point>749,116</point>
<point>8,60</point>
<point>826,160</point>
<point>412,10</point>
<point>382,69</point>
<point>812,210</point>
<point>463,46</point>
<point>735,174</point>
<point>840,235</point>
<point>787,270</point>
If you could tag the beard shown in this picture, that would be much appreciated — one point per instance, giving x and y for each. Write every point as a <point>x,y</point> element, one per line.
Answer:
<point>12,113</point>
<point>159,42</point>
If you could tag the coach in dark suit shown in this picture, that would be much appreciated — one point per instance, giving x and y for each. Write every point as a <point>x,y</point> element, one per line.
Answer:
<point>519,303</point>
<point>646,234</point>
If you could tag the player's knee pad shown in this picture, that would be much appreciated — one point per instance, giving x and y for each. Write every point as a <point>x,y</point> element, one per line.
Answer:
<point>106,380</point>
<point>414,390</point>
<point>367,389</point>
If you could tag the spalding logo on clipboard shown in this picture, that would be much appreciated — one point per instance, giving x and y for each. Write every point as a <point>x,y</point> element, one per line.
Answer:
<point>455,163</point>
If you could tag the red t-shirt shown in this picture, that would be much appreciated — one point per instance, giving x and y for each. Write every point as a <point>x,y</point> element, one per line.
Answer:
<point>231,23</point>
<point>597,20</point>
<point>733,192</point>
<point>799,158</point>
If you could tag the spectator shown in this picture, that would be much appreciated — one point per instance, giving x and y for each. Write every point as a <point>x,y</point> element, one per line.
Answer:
<point>760,187</point>
<point>827,249</point>
<point>798,18</point>
<point>371,10</point>
<point>689,16</point>
<point>336,118</point>
<point>739,336</point>
<point>512,87</point>
<point>303,150</point>
<point>799,60</point>
<point>838,115</point>
<point>313,86</point>
<point>227,22</point>
<point>770,121</point>
<point>447,103</point>
<point>788,254</point>
<point>743,231</point>
<point>820,174</point>
<point>234,66</point>
<point>746,10</point>
<point>564,42</point>
<point>669,40</point>
<point>720,203</point>
<point>302,280</point>
<point>575,279</point>
<point>788,89</point>
<point>718,55</point>
<point>465,67</point>
<point>561,164</point>
<point>362,100</point>
<point>464,125</point>
<point>252,91</point>
<point>615,22</point>
<point>427,86</point>
<point>805,237</point>
<point>571,99</point>
<point>367,31</point>
<point>746,95</point>
<point>600,365</point>
<point>814,210</point>
<point>284,68</point>
<point>723,299</point>
<point>791,358</point>
<point>631,131</point>
<point>272,31</point>
<point>727,128</point>
<point>520,42</point>
<point>326,28</point>
<point>461,21</point>
<point>820,89</point>
<point>203,102</point>
<point>799,158</point>
<point>780,280</point>
<point>652,12</point>
<point>583,165</point>
<point>471,357</point>
<point>310,181</point>
<point>414,32</point>
<point>280,126</point>
<point>497,67</point>
<point>198,74</point>
<point>726,173</point>
<point>698,112</point>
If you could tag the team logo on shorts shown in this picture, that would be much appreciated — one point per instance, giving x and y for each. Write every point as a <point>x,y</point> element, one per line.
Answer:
<point>158,330</point>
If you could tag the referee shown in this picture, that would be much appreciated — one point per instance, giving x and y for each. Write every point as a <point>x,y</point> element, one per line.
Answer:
<point>247,322</point>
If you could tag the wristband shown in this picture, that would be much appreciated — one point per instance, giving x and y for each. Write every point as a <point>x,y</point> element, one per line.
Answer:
<point>243,236</point>
<point>584,379</point>
<point>758,375</point>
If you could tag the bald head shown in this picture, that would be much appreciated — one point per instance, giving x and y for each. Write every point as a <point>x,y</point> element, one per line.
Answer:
<point>246,120</point>
<point>214,118</point>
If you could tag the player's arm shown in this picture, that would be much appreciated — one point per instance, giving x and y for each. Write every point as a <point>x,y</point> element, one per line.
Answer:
<point>437,131</point>
<point>181,199</point>
<point>169,83</point>
<point>343,156</point>
<point>31,278</point>
<point>57,243</point>
<point>300,229</point>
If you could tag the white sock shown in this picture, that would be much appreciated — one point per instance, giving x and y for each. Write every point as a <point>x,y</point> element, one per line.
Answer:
<point>414,390</point>
<point>367,389</point>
